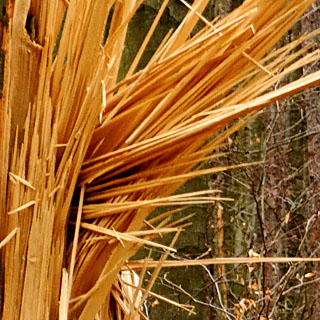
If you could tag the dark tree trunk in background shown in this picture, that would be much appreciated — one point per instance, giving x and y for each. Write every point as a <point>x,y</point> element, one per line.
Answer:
<point>222,7</point>
<point>311,106</point>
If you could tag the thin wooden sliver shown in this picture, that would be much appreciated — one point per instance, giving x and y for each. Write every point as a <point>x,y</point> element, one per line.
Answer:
<point>8,237</point>
<point>185,307</point>
<point>201,17</point>
<point>118,237</point>
<point>23,181</point>
<point>124,236</point>
<point>152,264</point>
<point>27,205</point>
<point>257,64</point>
<point>75,243</point>
<point>64,301</point>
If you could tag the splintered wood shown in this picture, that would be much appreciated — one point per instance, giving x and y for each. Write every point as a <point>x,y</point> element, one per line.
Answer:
<point>85,156</point>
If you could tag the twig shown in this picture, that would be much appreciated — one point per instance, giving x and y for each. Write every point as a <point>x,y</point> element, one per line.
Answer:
<point>300,285</point>
<point>265,249</point>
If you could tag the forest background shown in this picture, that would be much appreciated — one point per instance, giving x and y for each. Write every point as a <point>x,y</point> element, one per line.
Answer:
<point>276,205</point>
<point>276,208</point>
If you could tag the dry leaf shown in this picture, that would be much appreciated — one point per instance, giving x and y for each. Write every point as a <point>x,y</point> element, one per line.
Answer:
<point>309,275</point>
<point>254,286</point>
<point>155,303</point>
<point>253,254</point>
<point>250,268</point>
<point>287,217</point>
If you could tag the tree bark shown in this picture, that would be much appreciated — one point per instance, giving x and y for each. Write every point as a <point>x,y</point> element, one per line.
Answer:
<point>311,103</point>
